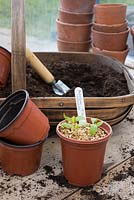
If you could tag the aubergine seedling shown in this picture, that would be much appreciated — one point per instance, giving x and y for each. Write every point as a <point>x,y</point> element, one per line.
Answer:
<point>72,126</point>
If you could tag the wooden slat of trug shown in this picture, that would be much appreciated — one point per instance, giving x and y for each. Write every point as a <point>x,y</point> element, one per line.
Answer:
<point>120,118</point>
<point>104,114</point>
<point>18,63</point>
<point>56,115</point>
<point>90,102</point>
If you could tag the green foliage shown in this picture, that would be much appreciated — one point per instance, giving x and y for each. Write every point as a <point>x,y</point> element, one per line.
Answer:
<point>40,17</point>
<point>73,123</point>
<point>94,125</point>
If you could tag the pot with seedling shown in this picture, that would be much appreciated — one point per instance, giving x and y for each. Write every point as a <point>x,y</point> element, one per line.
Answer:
<point>83,142</point>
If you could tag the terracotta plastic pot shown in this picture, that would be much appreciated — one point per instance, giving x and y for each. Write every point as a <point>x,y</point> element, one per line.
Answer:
<point>73,46</point>
<point>119,55</point>
<point>110,41</point>
<point>0,153</point>
<point>20,160</point>
<point>21,121</point>
<point>80,6</point>
<point>5,66</point>
<point>73,32</point>
<point>114,28</point>
<point>83,160</point>
<point>110,13</point>
<point>75,18</point>
<point>132,33</point>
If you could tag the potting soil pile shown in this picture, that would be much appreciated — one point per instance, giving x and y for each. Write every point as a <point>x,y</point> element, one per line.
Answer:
<point>95,80</point>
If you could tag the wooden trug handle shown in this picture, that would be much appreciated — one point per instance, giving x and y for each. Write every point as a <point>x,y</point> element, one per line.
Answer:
<point>39,67</point>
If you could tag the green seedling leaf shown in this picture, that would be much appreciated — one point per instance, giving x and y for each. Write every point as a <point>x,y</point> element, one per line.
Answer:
<point>77,126</point>
<point>67,125</point>
<point>99,124</point>
<point>94,120</point>
<point>93,129</point>
<point>73,119</point>
<point>66,117</point>
<point>79,118</point>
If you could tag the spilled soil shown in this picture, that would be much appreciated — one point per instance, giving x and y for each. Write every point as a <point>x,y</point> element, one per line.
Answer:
<point>92,194</point>
<point>96,81</point>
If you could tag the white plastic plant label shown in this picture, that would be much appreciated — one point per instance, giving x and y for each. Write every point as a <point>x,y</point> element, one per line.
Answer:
<point>80,104</point>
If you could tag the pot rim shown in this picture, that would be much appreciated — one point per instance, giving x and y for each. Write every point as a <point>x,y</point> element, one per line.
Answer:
<point>85,42</point>
<point>103,50</point>
<point>111,34</point>
<point>27,146</point>
<point>74,13</point>
<point>105,5</point>
<point>9,99</point>
<point>4,53</point>
<point>132,30</point>
<point>71,140</point>
<point>110,25</point>
<point>74,25</point>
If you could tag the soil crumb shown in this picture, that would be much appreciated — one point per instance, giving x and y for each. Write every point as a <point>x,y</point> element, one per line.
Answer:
<point>60,180</point>
<point>48,169</point>
<point>94,195</point>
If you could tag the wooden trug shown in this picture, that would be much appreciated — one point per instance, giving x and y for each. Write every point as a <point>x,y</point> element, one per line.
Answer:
<point>113,109</point>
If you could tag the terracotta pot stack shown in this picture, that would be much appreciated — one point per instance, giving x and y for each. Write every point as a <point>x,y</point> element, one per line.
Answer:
<point>5,66</point>
<point>110,31</point>
<point>23,130</point>
<point>132,33</point>
<point>74,25</point>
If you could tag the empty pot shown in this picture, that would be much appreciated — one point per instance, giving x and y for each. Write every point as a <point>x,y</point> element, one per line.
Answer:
<point>73,46</point>
<point>80,6</point>
<point>114,28</point>
<point>21,121</point>
<point>110,41</point>
<point>75,18</point>
<point>20,160</point>
<point>5,66</point>
<point>110,13</point>
<point>119,55</point>
<point>73,32</point>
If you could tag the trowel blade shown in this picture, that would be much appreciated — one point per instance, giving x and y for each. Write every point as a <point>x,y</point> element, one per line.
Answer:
<point>60,88</point>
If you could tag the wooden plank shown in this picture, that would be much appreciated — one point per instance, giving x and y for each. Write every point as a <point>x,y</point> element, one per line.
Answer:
<point>120,118</point>
<point>90,102</point>
<point>18,60</point>
<point>105,114</point>
<point>112,116</point>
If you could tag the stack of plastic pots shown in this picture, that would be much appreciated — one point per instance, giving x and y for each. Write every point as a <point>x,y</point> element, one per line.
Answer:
<point>23,130</point>
<point>5,66</point>
<point>110,31</point>
<point>74,25</point>
<point>132,33</point>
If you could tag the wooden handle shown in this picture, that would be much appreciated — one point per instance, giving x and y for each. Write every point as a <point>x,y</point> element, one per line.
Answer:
<point>132,31</point>
<point>39,67</point>
<point>18,60</point>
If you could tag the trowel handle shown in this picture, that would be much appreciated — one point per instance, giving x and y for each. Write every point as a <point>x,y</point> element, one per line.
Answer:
<point>39,67</point>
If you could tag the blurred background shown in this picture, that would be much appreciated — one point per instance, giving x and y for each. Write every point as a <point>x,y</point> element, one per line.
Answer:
<point>41,23</point>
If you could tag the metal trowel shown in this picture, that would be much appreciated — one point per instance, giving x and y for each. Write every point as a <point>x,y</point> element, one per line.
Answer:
<point>59,87</point>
